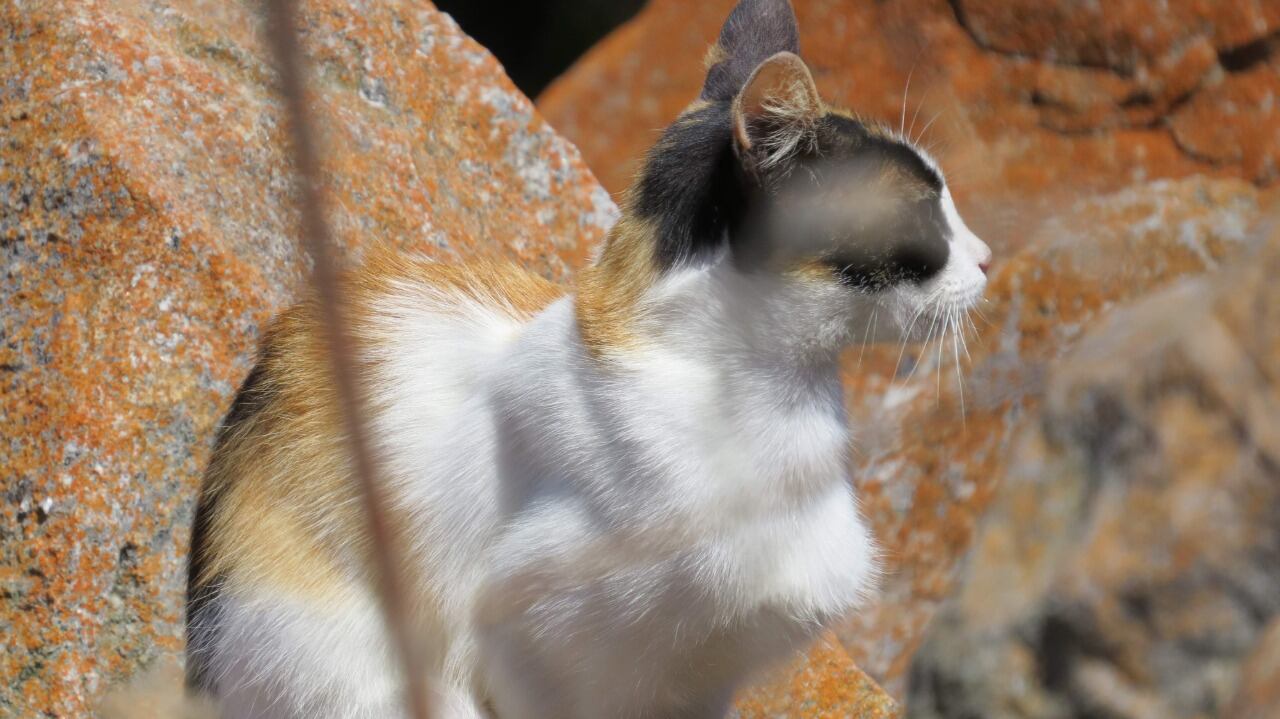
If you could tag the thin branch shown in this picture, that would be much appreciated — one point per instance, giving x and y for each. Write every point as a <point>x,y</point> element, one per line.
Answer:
<point>282,36</point>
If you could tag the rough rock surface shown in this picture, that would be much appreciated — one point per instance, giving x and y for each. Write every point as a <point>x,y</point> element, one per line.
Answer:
<point>146,235</point>
<point>1132,560</point>
<point>1029,95</point>
<point>1102,151</point>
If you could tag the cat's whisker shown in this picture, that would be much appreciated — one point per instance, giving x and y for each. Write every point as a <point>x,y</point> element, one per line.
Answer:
<point>976,311</point>
<point>915,365</point>
<point>875,319</point>
<point>929,124</point>
<point>956,344</point>
<point>866,334</point>
<point>964,339</point>
<point>916,114</point>
<point>906,91</point>
<point>942,340</point>
<point>906,338</point>
<point>924,347</point>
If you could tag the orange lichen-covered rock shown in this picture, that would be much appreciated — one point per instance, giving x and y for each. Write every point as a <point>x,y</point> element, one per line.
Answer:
<point>146,231</point>
<point>825,685</point>
<point>1235,120</point>
<point>1124,36</point>
<point>1030,96</point>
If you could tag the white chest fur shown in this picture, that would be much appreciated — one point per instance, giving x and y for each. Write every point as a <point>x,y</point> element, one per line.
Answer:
<point>625,537</point>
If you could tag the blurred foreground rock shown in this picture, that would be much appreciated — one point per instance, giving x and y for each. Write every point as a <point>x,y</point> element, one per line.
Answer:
<point>1132,560</point>
<point>1258,693</point>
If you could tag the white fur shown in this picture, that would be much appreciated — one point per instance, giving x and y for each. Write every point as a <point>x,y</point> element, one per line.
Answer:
<point>629,538</point>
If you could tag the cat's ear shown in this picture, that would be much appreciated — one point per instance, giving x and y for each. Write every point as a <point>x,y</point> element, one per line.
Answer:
<point>755,30</point>
<point>776,112</point>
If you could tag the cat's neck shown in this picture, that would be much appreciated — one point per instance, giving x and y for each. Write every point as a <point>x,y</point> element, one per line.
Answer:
<point>717,370</point>
<point>758,336</point>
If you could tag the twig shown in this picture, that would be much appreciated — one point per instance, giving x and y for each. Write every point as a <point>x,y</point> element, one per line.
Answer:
<point>282,36</point>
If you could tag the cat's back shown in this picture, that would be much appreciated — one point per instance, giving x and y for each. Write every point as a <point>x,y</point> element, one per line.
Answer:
<point>278,514</point>
<point>432,330</point>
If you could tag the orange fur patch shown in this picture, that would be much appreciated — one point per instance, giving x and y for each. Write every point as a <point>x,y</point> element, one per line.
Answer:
<point>609,292</point>
<point>812,270</point>
<point>694,106</point>
<point>715,55</point>
<point>284,509</point>
<point>277,487</point>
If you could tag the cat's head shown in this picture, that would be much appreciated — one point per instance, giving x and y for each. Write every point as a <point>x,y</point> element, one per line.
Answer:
<point>827,195</point>
<point>762,174</point>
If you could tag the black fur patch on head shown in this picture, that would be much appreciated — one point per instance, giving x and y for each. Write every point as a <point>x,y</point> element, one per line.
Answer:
<point>754,31</point>
<point>689,187</point>
<point>912,242</point>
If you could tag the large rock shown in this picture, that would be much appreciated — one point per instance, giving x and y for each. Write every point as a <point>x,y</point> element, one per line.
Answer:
<point>1132,561</point>
<point>1031,96</point>
<point>146,231</point>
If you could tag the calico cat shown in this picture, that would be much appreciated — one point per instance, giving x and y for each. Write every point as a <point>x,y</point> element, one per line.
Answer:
<point>620,500</point>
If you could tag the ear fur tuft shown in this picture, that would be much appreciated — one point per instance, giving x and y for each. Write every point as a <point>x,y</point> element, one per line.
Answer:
<point>775,114</point>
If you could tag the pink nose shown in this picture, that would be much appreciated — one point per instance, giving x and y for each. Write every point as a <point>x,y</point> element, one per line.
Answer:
<point>984,266</point>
